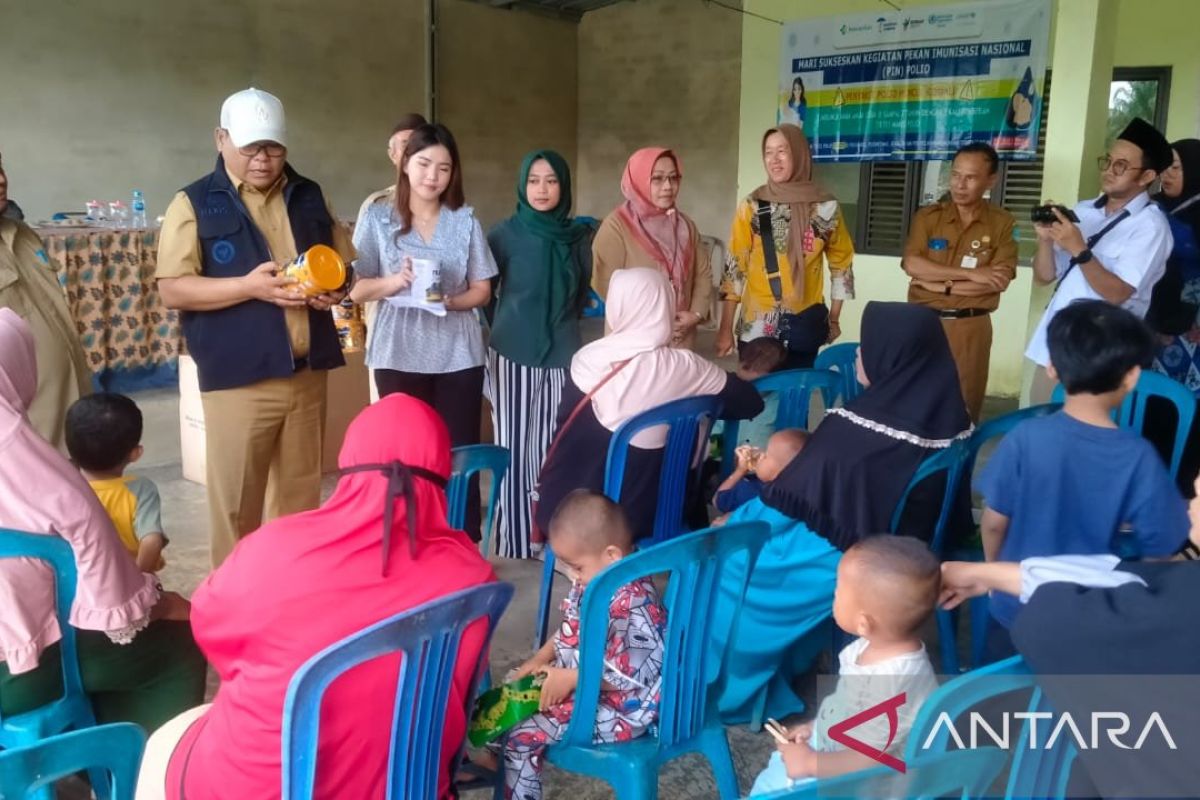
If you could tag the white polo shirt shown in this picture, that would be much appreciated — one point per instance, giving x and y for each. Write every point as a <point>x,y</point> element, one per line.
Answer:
<point>1135,250</point>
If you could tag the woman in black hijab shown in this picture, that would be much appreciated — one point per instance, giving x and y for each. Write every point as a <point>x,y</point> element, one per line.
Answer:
<point>843,486</point>
<point>1175,302</point>
<point>848,479</point>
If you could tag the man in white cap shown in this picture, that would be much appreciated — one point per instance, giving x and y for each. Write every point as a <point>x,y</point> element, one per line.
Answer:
<point>261,348</point>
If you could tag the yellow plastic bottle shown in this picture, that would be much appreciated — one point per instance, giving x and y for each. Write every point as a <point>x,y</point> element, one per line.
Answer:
<point>318,270</point>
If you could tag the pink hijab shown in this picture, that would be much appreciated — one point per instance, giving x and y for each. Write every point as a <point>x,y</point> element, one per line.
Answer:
<point>111,594</point>
<point>640,313</point>
<point>666,235</point>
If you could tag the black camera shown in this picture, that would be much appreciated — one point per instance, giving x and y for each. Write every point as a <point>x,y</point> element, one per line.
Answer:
<point>1045,214</point>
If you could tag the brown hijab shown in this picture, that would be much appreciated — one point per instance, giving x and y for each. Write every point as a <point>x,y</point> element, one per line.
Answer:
<point>799,192</point>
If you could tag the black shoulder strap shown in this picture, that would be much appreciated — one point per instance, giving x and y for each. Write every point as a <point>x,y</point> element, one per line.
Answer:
<point>770,257</point>
<point>1092,241</point>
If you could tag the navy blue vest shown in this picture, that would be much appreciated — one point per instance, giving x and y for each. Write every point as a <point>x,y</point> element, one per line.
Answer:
<point>248,342</point>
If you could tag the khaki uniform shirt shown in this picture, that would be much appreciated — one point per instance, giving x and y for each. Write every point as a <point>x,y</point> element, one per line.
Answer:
<point>988,239</point>
<point>29,286</point>
<point>179,245</point>
<point>373,198</point>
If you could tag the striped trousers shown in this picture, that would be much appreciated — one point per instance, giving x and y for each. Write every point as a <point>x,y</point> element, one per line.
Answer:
<point>525,404</point>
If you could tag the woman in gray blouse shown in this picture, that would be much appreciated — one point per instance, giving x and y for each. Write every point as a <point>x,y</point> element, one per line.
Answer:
<point>437,359</point>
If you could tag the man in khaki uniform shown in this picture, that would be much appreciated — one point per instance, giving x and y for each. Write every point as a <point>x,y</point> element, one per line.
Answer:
<point>29,286</point>
<point>961,255</point>
<point>395,152</point>
<point>261,348</point>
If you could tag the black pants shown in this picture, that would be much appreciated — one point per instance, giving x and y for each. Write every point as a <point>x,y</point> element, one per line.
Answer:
<point>458,399</point>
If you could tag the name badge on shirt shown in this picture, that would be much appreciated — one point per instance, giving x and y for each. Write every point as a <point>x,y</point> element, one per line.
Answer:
<point>970,262</point>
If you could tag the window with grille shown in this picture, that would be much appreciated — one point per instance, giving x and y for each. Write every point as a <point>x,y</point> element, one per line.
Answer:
<point>890,191</point>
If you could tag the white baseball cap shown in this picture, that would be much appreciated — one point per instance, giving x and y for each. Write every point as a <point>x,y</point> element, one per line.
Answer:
<point>252,115</point>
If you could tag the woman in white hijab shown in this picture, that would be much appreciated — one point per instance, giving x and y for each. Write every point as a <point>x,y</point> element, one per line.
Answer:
<point>629,371</point>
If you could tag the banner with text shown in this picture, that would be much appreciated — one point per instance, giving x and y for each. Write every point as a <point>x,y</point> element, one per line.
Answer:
<point>917,84</point>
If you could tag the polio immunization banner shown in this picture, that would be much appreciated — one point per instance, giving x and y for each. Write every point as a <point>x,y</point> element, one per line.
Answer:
<point>916,84</point>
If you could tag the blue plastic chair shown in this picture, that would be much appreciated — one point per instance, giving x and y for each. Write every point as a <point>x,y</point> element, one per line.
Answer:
<point>1037,770</point>
<point>951,461</point>
<point>958,462</point>
<point>1132,413</point>
<point>465,462</point>
<point>73,710</point>
<point>428,636</point>
<point>111,754</point>
<point>690,422</point>
<point>1001,426</point>
<point>962,774</point>
<point>840,358</point>
<point>687,719</point>
<point>594,307</point>
<point>795,388</point>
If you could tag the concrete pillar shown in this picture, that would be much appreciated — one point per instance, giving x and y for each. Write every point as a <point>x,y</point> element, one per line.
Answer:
<point>1082,65</point>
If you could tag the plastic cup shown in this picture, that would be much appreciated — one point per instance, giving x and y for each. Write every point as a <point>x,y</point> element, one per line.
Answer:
<point>318,270</point>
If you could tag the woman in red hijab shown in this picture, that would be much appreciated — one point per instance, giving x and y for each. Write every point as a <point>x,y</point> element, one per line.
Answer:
<point>647,230</point>
<point>378,546</point>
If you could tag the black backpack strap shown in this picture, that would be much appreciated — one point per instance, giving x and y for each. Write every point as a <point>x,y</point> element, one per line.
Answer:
<point>770,257</point>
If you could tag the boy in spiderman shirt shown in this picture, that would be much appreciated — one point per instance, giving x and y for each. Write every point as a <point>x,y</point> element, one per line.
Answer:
<point>589,532</point>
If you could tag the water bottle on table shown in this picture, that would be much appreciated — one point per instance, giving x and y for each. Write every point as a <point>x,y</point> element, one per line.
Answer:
<point>118,215</point>
<point>138,217</point>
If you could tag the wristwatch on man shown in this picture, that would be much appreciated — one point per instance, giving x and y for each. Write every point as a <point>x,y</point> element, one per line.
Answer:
<point>1084,256</point>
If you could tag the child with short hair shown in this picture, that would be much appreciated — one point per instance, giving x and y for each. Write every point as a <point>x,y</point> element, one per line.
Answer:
<point>104,435</point>
<point>755,468</point>
<point>1068,482</point>
<point>758,358</point>
<point>587,533</point>
<point>887,588</point>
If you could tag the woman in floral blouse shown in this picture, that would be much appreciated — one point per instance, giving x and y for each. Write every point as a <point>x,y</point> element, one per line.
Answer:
<point>782,293</point>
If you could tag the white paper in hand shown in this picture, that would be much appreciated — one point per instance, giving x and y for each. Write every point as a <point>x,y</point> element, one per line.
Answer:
<point>425,292</point>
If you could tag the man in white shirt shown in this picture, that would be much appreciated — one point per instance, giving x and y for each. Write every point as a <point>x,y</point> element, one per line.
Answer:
<point>1119,248</point>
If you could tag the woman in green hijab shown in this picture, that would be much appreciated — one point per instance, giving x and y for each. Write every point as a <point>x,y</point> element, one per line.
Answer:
<point>545,263</point>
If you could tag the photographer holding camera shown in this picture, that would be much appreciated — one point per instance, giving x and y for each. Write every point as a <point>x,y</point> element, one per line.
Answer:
<point>1116,252</point>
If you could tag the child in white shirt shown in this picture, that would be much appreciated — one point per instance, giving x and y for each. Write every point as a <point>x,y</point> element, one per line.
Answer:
<point>887,587</point>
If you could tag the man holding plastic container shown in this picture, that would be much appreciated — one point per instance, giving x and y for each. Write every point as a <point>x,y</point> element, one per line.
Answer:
<point>262,348</point>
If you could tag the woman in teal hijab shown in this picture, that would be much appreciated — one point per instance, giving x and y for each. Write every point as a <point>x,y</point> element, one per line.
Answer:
<point>545,262</point>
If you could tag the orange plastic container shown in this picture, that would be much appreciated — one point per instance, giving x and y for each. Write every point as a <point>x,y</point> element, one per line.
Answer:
<point>318,270</point>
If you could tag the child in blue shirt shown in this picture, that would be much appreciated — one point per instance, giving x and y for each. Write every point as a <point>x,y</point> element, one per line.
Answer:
<point>1068,482</point>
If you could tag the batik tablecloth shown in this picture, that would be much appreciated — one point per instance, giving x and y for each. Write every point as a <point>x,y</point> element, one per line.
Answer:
<point>130,338</point>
